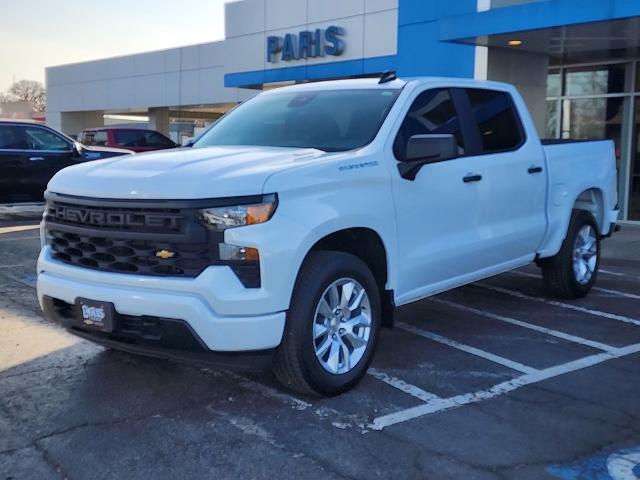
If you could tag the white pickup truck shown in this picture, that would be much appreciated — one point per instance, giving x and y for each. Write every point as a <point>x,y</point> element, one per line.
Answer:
<point>294,225</point>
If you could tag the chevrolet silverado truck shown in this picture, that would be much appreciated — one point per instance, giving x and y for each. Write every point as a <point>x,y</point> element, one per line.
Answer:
<point>289,232</point>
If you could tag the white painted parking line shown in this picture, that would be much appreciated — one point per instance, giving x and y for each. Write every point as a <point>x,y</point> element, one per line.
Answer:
<point>597,289</point>
<point>617,293</point>
<point>269,392</point>
<point>338,419</point>
<point>437,406</point>
<point>609,272</point>
<point>16,239</point>
<point>466,348</point>
<point>19,228</point>
<point>402,385</point>
<point>555,303</point>
<point>530,326</point>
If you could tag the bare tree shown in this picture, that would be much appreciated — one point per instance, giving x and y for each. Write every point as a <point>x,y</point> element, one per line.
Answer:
<point>29,91</point>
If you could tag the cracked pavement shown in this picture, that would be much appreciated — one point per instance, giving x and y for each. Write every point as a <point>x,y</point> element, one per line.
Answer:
<point>70,409</point>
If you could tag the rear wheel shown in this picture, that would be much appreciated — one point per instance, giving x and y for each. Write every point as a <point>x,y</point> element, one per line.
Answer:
<point>572,272</point>
<point>332,326</point>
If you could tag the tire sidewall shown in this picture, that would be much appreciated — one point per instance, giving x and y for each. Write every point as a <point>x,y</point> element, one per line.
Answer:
<point>302,317</point>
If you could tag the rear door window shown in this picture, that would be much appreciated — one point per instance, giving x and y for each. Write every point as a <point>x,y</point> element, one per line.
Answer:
<point>94,139</point>
<point>130,138</point>
<point>154,139</point>
<point>497,120</point>
<point>12,138</point>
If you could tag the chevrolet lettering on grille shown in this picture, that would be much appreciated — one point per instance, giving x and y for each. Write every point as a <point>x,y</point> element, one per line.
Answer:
<point>99,218</point>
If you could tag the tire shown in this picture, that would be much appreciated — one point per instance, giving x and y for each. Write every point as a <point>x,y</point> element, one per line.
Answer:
<point>563,278</point>
<point>303,362</point>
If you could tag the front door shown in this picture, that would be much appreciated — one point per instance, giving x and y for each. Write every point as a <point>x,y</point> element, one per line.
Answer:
<point>47,153</point>
<point>441,215</point>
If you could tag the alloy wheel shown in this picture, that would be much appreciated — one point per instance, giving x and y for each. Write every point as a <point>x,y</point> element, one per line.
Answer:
<point>585,254</point>
<point>342,326</point>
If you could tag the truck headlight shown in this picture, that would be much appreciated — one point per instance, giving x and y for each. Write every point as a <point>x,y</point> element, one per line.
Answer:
<point>221,218</point>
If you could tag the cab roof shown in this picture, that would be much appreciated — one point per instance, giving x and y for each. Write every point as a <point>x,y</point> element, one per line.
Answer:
<point>396,84</point>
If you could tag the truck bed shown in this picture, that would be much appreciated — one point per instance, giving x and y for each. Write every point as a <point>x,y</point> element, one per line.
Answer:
<point>576,166</point>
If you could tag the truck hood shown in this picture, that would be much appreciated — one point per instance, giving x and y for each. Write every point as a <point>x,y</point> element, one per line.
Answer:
<point>187,173</point>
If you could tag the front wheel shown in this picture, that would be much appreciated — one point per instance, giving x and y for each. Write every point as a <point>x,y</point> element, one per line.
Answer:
<point>332,326</point>
<point>572,272</point>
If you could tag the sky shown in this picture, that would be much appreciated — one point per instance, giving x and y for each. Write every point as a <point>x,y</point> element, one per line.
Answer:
<point>35,34</point>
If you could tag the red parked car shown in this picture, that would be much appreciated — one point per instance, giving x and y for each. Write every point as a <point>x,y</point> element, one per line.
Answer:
<point>136,139</point>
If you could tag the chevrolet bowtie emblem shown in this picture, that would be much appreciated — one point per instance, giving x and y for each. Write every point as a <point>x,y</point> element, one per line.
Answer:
<point>165,254</point>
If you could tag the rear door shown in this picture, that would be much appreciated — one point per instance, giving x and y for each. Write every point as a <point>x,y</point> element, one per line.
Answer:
<point>514,177</point>
<point>47,153</point>
<point>14,166</point>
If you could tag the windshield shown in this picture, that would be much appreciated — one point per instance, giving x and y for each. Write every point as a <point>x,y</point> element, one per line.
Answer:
<point>331,120</point>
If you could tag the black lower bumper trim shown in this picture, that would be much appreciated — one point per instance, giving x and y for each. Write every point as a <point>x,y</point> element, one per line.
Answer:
<point>250,361</point>
<point>159,338</point>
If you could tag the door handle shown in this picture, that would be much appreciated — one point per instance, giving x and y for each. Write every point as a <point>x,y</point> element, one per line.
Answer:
<point>472,178</point>
<point>534,169</point>
<point>36,159</point>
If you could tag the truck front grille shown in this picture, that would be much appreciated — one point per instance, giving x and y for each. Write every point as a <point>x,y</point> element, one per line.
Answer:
<point>142,237</point>
<point>142,257</point>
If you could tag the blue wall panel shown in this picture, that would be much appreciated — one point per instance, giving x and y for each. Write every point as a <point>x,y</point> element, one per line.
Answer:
<point>312,72</point>
<point>536,15</point>
<point>420,51</point>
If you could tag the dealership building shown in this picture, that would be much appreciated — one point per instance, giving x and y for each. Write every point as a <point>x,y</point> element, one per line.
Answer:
<point>576,62</point>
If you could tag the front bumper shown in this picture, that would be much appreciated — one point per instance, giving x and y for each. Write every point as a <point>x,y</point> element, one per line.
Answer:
<point>156,337</point>
<point>189,300</point>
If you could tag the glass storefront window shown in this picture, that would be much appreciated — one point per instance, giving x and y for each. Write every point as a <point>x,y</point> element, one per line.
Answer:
<point>593,119</point>
<point>595,81</point>
<point>598,102</point>
<point>554,84</point>
<point>634,177</point>
<point>551,124</point>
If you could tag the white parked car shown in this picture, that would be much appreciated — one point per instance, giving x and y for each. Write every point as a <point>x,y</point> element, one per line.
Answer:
<point>296,223</point>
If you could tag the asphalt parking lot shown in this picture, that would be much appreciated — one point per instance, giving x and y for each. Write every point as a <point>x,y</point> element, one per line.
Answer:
<point>489,381</point>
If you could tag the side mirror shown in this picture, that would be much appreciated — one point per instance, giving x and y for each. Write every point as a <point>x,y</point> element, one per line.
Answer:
<point>76,151</point>
<point>425,149</point>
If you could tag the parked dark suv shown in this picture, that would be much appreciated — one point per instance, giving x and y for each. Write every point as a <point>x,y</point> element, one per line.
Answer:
<point>136,139</point>
<point>30,154</point>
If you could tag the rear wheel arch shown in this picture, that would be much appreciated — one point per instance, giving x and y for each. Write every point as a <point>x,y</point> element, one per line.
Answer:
<point>592,201</point>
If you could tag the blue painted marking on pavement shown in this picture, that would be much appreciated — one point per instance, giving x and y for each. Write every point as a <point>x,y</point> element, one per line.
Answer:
<point>620,465</point>
<point>594,468</point>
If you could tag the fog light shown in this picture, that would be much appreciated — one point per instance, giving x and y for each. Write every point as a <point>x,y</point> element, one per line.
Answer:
<point>235,253</point>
